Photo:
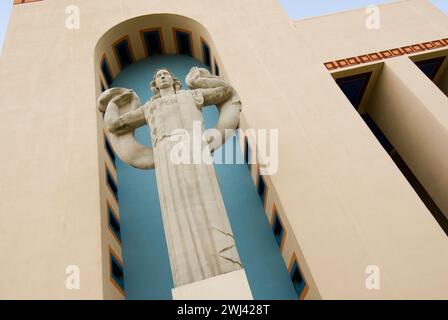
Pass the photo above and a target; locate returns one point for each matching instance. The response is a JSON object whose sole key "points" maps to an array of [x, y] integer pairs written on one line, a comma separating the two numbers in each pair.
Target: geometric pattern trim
{"points": [[24, 1], [386, 54]]}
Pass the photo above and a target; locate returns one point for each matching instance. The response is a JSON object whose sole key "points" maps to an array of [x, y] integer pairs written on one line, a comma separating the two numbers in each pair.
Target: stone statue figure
{"points": [[198, 233]]}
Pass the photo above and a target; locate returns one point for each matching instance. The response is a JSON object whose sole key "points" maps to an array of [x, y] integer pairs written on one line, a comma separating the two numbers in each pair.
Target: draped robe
{"points": [[198, 233]]}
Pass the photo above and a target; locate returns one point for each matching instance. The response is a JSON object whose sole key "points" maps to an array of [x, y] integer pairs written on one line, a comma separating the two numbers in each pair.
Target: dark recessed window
{"points": [[153, 43], [114, 224], [184, 43], [109, 149], [297, 279], [246, 152], [261, 189], [378, 133], [111, 183], [124, 54], [278, 229], [117, 273], [354, 87], [216, 69], [430, 67], [206, 53], [102, 87], [106, 72]]}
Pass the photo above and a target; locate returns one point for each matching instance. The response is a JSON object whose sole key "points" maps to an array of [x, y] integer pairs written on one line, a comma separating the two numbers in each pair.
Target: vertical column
{"points": [[413, 113]]}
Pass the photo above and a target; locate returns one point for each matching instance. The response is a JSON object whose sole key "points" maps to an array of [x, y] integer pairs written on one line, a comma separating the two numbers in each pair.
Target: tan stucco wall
{"points": [[50, 199], [345, 34], [343, 198]]}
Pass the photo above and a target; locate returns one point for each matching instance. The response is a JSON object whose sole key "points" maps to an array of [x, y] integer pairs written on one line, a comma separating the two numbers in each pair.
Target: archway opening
{"points": [[127, 56]]}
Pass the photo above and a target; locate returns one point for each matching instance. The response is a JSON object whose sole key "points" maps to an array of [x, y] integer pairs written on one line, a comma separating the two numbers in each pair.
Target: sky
{"points": [[297, 9], [5, 9]]}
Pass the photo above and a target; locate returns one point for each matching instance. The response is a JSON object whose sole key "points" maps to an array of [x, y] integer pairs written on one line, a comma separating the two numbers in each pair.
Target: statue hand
{"points": [[123, 98], [195, 77], [194, 74]]}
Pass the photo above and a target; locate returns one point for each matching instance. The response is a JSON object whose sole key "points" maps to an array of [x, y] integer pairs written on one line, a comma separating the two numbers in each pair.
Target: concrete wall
{"points": [[50, 208], [343, 198], [345, 35]]}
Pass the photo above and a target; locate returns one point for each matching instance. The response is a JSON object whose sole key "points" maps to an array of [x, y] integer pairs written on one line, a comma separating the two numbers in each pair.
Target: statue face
{"points": [[164, 79]]}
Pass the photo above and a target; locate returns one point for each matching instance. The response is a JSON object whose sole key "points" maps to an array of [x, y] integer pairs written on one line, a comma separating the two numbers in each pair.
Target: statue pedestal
{"points": [[230, 286]]}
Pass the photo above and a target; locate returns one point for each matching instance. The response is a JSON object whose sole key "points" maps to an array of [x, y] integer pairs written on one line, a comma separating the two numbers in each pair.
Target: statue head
{"points": [[164, 79]]}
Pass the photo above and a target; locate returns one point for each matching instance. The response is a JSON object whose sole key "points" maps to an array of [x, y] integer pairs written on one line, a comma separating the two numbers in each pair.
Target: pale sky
{"points": [[5, 9], [297, 9]]}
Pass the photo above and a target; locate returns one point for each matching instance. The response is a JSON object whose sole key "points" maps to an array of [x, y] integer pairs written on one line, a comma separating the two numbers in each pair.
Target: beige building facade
{"points": [[350, 208]]}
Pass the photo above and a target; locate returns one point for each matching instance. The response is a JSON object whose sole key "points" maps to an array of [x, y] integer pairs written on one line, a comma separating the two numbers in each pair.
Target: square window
{"points": [[278, 229], [183, 39], [430, 67], [297, 279], [109, 149], [262, 189], [111, 183], [216, 69], [153, 42], [123, 53], [106, 71], [114, 224], [354, 87], [206, 53], [116, 271]]}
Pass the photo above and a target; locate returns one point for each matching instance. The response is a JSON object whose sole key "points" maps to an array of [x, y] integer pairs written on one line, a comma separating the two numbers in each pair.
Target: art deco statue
{"points": [[198, 233]]}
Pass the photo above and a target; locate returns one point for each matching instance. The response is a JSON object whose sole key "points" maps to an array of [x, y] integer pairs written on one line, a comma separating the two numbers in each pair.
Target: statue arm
{"points": [[123, 113], [216, 95], [207, 81], [214, 90], [126, 123]]}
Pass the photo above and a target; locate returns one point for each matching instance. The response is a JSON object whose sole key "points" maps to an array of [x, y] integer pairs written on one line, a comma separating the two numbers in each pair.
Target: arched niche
{"points": [[263, 262], [166, 25], [132, 30]]}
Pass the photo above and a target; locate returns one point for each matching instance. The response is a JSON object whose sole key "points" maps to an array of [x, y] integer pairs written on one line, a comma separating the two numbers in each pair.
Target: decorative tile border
{"points": [[386, 54], [24, 1]]}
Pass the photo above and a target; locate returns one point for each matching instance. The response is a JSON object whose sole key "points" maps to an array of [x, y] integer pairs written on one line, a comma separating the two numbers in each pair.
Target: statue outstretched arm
{"points": [[127, 122], [123, 114], [217, 95], [216, 91]]}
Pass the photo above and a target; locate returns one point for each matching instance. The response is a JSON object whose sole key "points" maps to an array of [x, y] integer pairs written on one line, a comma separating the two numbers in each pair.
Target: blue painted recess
{"points": [[147, 268]]}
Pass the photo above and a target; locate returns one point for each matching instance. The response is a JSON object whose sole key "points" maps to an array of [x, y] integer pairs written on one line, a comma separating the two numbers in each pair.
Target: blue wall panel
{"points": [[147, 269]]}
